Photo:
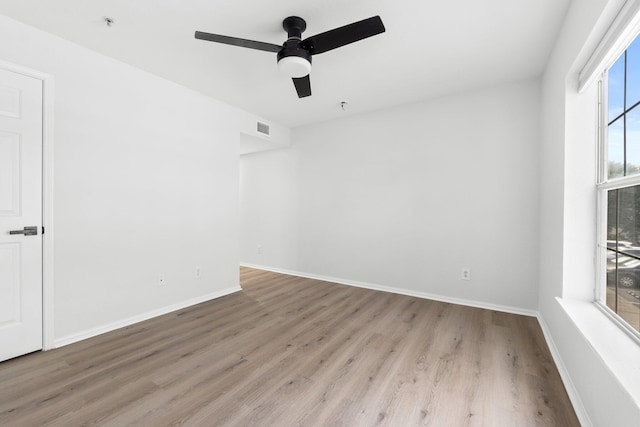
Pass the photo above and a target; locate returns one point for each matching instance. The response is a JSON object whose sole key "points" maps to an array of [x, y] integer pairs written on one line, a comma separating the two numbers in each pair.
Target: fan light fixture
{"points": [[294, 66]]}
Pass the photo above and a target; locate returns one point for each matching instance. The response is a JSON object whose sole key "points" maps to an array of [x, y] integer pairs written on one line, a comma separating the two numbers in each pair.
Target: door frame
{"points": [[48, 331]]}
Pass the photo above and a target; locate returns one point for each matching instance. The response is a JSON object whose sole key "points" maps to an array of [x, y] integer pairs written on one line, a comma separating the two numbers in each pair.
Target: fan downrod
{"points": [[294, 26]]}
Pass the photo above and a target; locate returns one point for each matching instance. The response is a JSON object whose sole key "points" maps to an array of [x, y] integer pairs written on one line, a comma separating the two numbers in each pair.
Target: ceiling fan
{"points": [[294, 56]]}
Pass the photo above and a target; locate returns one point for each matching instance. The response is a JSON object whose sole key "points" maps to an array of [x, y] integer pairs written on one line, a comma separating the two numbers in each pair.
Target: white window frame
{"points": [[603, 186]]}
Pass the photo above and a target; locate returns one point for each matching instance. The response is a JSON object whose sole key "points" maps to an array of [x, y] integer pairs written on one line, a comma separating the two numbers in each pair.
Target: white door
{"points": [[20, 207]]}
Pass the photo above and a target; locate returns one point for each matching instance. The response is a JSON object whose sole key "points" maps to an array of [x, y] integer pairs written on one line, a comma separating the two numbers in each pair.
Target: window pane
{"points": [[629, 215], [615, 148], [633, 141], [612, 243], [612, 290], [633, 74], [615, 89], [612, 219], [623, 254]]}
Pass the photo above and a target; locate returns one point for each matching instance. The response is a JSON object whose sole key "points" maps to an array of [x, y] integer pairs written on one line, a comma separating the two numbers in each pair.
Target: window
{"points": [[623, 112], [619, 189]]}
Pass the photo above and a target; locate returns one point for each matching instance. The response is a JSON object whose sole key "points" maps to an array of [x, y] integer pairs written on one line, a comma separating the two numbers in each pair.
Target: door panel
{"points": [[9, 101], [9, 174], [20, 206], [9, 281]]}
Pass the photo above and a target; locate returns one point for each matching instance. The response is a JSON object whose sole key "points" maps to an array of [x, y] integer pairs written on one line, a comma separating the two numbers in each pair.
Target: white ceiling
{"points": [[430, 47]]}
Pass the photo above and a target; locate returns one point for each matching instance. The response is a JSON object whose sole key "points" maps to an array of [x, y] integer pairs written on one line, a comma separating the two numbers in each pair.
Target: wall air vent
{"points": [[263, 128]]}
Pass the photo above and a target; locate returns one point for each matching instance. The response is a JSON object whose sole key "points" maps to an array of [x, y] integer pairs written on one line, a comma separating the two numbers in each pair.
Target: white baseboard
{"points": [[578, 406], [79, 336], [407, 292]]}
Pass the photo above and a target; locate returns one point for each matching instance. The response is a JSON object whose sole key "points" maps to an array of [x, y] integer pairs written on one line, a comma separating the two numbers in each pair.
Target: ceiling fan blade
{"points": [[251, 44], [303, 86], [342, 36]]}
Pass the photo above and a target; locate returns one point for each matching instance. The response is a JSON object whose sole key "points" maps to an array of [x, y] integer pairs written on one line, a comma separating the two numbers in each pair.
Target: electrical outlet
{"points": [[465, 274], [259, 249], [161, 280], [197, 273]]}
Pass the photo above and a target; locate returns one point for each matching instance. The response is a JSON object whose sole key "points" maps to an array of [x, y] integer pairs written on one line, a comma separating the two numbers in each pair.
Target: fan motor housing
{"points": [[293, 60], [292, 48]]}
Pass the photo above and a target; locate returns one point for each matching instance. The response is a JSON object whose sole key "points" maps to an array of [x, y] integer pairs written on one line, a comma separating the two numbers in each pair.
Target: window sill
{"points": [[619, 351]]}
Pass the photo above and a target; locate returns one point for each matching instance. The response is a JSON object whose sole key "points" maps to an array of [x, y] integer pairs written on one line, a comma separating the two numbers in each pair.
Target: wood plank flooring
{"points": [[288, 351]]}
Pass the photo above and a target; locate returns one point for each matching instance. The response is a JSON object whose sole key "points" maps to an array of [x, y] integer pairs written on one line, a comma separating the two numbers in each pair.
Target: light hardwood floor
{"points": [[288, 351]]}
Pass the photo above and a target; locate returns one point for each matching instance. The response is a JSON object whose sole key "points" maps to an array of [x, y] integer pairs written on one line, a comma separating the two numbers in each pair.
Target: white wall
{"points": [[145, 182], [406, 197], [268, 208], [598, 361]]}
